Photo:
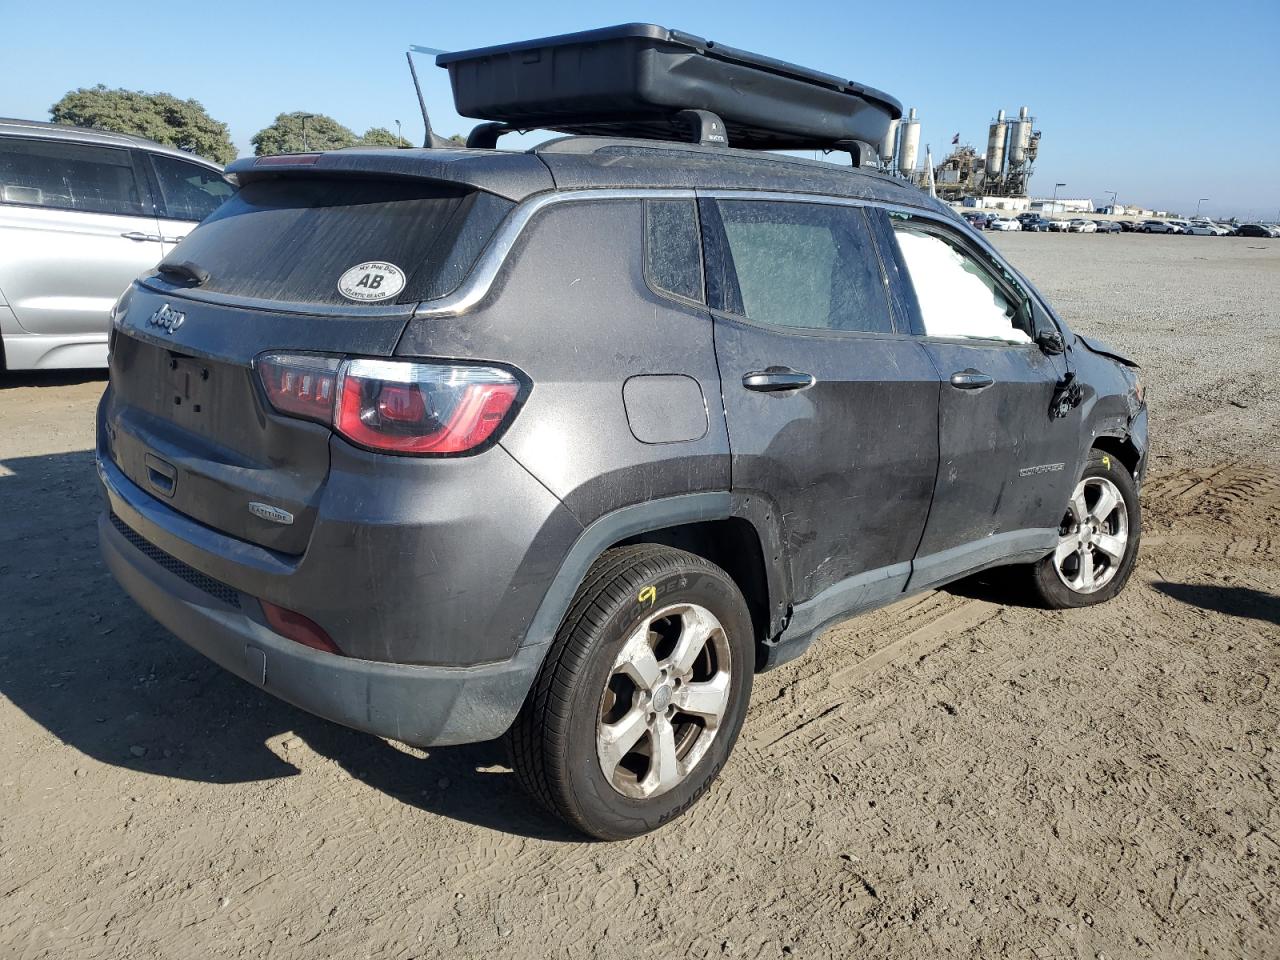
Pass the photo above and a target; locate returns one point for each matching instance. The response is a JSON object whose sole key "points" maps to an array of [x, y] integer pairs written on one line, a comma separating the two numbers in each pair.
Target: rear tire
{"points": [[641, 696], [1098, 539]]}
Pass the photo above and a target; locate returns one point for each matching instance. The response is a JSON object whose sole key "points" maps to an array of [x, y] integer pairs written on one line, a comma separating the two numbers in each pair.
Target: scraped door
{"points": [[832, 412]]}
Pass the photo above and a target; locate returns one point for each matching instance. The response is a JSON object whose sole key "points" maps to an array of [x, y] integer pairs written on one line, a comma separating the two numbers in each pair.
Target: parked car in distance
{"points": [[388, 497], [1037, 225], [83, 212], [976, 220], [1156, 226], [1003, 223], [1128, 226], [1107, 226], [1254, 230], [1080, 225], [1201, 228], [1060, 226]]}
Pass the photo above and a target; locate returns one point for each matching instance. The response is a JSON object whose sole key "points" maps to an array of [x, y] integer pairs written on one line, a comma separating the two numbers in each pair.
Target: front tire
{"points": [[1097, 540], [641, 696]]}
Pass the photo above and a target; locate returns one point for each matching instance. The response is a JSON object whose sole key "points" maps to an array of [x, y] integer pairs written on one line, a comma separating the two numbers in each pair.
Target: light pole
{"points": [[399, 139], [1113, 200], [1054, 204], [1198, 202], [304, 117]]}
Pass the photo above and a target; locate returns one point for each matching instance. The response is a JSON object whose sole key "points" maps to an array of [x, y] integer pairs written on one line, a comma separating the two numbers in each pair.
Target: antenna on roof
{"points": [[430, 139]]}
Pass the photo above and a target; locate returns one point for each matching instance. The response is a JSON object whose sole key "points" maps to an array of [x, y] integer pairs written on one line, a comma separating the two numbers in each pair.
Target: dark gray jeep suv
{"points": [[566, 444]]}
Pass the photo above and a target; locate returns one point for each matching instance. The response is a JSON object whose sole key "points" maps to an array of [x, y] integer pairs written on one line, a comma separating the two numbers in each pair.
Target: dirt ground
{"points": [[956, 775]]}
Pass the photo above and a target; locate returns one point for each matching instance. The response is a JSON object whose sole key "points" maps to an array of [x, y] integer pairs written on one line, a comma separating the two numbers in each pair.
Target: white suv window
{"points": [[958, 297], [190, 191], [68, 176]]}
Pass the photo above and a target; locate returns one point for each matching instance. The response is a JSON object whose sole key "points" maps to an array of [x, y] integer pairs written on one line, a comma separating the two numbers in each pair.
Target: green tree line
{"points": [[186, 124]]}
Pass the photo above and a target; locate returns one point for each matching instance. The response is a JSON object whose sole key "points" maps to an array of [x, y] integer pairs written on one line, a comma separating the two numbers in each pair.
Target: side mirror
{"points": [[1050, 341]]}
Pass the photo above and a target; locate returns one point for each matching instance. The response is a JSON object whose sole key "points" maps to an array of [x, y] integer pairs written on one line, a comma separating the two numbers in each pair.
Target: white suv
{"points": [[83, 212]]}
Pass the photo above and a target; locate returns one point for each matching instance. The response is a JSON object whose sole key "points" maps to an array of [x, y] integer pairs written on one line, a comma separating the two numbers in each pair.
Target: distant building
{"points": [[998, 203], [1061, 205]]}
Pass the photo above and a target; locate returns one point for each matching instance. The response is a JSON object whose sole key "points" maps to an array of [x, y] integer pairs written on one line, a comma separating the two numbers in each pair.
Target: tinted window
{"points": [[189, 191], [68, 176], [673, 254], [804, 265], [958, 296], [291, 239]]}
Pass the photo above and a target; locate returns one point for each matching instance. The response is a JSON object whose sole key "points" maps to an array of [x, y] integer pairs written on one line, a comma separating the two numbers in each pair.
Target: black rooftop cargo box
{"points": [[633, 80]]}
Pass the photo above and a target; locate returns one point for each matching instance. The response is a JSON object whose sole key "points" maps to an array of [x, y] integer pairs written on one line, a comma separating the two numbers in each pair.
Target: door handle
{"points": [[173, 239], [140, 237], [777, 380], [971, 380]]}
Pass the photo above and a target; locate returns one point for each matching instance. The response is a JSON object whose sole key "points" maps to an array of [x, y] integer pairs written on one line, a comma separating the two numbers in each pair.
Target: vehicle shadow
{"points": [[80, 659], [1006, 586], [49, 378], [1233, 601]]}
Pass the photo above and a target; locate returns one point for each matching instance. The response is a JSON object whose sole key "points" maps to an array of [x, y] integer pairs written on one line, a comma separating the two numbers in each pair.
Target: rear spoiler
{"points": [[513, 176]]}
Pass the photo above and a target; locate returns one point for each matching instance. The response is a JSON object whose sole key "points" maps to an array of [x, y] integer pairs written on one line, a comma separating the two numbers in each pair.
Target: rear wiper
{"points": [[186, 270]]}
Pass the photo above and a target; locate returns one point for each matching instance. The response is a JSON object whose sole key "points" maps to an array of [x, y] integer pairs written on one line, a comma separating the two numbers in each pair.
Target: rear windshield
{"points": [[292, 239]]}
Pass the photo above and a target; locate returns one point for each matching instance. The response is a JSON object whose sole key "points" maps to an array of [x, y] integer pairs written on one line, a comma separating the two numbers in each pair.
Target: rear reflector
{"points": [[298, 628], [394, 406]]}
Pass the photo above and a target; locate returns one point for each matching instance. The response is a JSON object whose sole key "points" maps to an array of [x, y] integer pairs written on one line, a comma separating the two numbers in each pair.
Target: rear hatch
{"points": [[186, 418]]}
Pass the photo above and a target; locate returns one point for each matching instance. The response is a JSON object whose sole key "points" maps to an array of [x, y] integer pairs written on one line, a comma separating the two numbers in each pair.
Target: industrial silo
{"points": [[909, 135], [995, 146], [1019, 138], [887, 144]]}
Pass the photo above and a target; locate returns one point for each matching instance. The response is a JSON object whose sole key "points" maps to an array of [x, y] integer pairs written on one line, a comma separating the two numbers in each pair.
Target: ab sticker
{"points": [[372, 281]]}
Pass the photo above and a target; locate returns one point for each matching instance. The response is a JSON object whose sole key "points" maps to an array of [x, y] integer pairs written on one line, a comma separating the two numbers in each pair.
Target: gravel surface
{"points": [[957, 775]]}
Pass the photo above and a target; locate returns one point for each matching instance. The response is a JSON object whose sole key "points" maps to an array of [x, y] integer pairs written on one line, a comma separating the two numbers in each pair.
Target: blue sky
{"points": [[1163, 102]]}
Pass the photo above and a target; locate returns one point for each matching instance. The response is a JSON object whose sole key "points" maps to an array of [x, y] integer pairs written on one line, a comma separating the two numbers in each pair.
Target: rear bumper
{"points": [[419, 705]]}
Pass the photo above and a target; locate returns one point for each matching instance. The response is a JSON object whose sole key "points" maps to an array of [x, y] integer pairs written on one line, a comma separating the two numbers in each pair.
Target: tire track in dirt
{"points": [[815, 704]]}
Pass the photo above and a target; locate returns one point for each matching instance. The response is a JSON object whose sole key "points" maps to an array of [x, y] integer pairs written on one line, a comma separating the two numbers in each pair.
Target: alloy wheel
{"points": [[1093, 536], [664, 700]]}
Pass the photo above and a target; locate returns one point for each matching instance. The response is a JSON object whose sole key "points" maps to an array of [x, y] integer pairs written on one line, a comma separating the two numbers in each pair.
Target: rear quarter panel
{"points": [[572, 310]]}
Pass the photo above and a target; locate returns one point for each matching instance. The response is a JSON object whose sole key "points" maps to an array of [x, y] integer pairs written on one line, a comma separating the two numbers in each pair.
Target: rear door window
{"points": [[68, 176], [189, 191], [291, 239], [802, 265]]}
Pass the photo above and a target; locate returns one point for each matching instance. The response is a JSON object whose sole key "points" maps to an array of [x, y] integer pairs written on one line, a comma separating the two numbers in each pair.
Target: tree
{"points": [[382, 137], [158, 116], [289, 135]]}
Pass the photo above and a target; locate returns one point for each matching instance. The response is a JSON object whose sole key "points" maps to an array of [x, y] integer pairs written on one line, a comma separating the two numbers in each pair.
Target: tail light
{"points": [[393, 406], [302, 386]]}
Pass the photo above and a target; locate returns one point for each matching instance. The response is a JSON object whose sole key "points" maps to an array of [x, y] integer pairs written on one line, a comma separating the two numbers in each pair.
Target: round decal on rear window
{"points": [[371, 281]]}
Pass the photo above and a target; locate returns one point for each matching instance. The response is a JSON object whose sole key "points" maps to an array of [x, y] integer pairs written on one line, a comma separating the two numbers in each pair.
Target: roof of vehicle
{"points": [[583, 162], [60, 131]]}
